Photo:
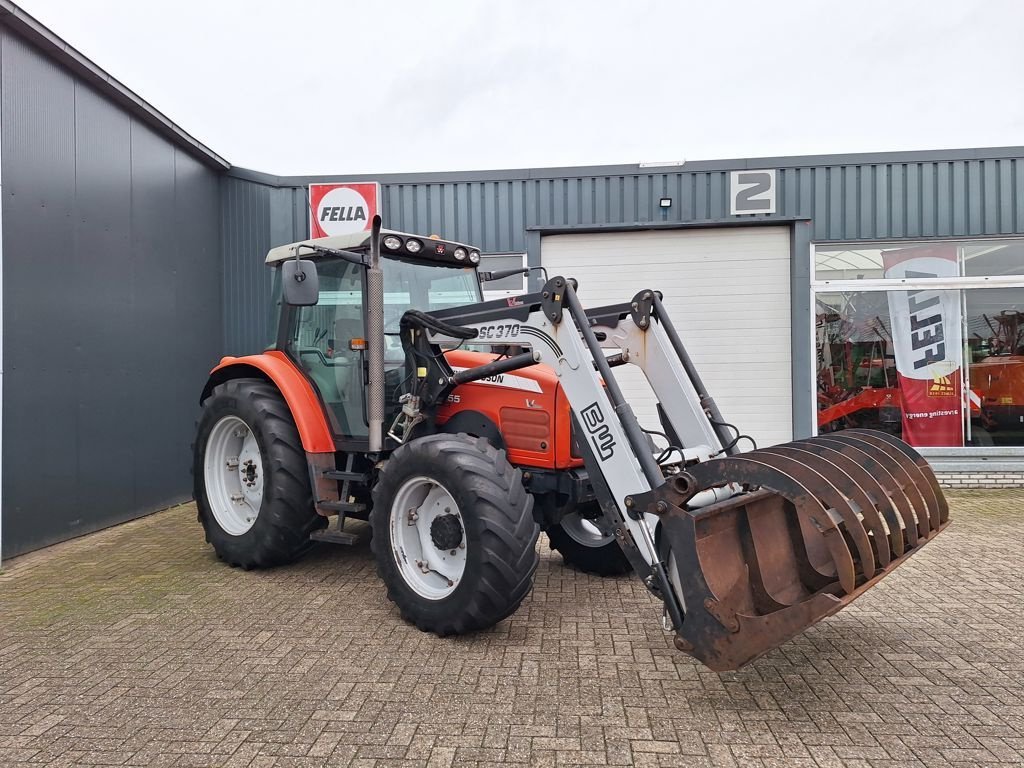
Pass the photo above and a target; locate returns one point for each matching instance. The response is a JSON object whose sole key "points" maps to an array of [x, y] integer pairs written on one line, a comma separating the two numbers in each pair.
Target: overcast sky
{"points": [[362, 87]]}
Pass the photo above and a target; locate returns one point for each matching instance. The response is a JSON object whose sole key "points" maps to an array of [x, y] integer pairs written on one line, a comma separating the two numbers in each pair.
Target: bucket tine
{"points": [[874, 490], [823, 483], [823, 464], [906, 531], [889, 474], [747, 471], [906, 471], [937, 506]]}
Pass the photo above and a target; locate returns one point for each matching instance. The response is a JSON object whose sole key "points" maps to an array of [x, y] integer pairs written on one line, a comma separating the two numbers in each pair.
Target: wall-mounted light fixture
{"points": [[665, 202]]}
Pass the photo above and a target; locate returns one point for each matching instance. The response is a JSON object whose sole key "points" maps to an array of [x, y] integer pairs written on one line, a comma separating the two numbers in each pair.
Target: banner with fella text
{"points": [[927, 345]]}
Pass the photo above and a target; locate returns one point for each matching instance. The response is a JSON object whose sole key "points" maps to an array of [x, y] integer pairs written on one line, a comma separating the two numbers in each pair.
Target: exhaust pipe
{"points": [[375, 342]]}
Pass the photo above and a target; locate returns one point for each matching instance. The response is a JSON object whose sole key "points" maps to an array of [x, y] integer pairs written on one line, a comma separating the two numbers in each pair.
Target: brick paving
{"points": [[136, 647]]}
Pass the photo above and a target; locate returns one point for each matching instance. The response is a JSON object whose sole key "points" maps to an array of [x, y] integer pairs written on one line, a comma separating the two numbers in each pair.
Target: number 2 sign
{"points": [[752, 191]]}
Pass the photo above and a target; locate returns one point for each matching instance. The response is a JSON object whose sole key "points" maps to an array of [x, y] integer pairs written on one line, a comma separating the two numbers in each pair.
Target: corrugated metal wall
{"points": [[919, 194], [112, 306], [255, 217]]}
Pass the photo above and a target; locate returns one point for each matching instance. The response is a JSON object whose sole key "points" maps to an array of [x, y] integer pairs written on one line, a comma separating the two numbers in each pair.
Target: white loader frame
{"points": [[619, 457]]}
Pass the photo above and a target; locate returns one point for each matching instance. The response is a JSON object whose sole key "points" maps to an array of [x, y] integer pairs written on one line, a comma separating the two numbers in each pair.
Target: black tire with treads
{"points": [[604, 560], [501, 534], [287, 515]]}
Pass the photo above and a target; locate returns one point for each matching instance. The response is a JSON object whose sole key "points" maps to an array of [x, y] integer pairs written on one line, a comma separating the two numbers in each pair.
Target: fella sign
{"points": [[927, 343], [342, 208]]}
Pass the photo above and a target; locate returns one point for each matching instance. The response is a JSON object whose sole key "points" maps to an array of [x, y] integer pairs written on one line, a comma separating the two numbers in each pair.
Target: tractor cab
{"points": [[327, 339]]}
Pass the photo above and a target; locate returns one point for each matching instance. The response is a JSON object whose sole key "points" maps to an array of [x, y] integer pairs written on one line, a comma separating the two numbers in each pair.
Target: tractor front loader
{"points": [[460, 428]]}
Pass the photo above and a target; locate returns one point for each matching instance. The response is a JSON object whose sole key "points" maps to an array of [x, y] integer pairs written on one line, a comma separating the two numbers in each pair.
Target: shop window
{"points": [[992, 258], [946, 259], [922, 339], [938, 368], [995, 368]]}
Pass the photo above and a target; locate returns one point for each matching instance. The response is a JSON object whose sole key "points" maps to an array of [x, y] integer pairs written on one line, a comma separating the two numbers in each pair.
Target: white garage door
{"points": [[727, 290]]}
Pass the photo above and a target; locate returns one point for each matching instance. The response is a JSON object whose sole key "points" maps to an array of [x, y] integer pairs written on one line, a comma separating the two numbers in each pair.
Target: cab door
{"points": [[327, 342]]}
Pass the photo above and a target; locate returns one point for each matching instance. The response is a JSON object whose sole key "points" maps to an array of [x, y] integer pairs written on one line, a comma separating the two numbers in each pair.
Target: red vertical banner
{"points": [[926, 337]]}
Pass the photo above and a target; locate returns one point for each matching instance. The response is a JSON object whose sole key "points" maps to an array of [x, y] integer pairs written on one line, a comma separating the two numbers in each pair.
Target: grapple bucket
{"points": [[819, 522]]}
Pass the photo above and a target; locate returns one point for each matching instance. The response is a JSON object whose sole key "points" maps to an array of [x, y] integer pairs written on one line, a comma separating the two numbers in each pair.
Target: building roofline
{"points": [[693, 166], [32, 30]]}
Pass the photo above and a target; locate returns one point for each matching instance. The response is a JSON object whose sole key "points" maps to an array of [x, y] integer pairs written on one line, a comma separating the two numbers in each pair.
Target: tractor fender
{"points": [[298, 393], [476, 424]]}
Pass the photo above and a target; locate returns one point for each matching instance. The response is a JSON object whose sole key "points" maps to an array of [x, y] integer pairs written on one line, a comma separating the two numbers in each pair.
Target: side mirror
{"points": [[300, 285]]}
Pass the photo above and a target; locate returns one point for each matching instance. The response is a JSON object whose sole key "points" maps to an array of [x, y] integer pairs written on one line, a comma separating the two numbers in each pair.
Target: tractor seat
{"points": [[348, 325]]}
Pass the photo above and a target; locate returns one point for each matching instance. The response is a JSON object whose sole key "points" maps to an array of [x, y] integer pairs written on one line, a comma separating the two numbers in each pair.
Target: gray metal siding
{"points": [[947, 198], [922, 194], [112, 306], [245, 241]]}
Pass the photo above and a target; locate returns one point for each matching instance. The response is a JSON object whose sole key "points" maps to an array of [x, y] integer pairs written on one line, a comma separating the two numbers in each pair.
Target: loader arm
{"points": [[745, 550]]}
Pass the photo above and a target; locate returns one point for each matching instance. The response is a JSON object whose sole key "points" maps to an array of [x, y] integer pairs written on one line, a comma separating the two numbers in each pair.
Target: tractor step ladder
{"points": [[336, 534], [342, 507], [345, 475], [332, 535]]}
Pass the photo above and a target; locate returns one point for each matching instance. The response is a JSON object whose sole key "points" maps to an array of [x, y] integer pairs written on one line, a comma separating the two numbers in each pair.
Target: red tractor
{"points": [[461, 428]]}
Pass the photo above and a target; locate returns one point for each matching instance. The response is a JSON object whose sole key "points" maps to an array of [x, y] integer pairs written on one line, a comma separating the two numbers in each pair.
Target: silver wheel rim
{"points": [[233, 471], [428, 570], [583, 531]]}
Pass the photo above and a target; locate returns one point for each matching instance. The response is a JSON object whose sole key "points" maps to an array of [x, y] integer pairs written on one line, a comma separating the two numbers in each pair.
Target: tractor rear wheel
{"points": [[251, 477], [583, 545], [453, 533]]}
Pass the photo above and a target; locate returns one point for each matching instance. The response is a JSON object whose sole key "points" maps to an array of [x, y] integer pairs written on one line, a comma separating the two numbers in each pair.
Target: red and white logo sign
{"points": [[342, 208], [926, 341]]}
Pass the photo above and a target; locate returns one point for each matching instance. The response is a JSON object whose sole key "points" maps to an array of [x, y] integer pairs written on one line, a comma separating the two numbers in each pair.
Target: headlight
{"points": [[460, 254], [474, 256], [413, 246], [392, 243]]}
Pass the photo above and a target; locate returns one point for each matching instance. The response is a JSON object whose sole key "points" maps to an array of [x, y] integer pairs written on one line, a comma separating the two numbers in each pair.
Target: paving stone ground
{"points": [[135, 646]]}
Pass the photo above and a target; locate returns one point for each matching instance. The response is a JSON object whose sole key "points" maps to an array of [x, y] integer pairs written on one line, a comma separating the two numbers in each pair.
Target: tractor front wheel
{"points": [[453, 533], [584, 546], [251, 477]]}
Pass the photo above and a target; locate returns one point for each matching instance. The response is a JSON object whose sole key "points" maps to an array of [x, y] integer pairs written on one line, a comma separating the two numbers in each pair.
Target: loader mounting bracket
{"points": [[641, 308], [551, 298], [676, 491]]}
